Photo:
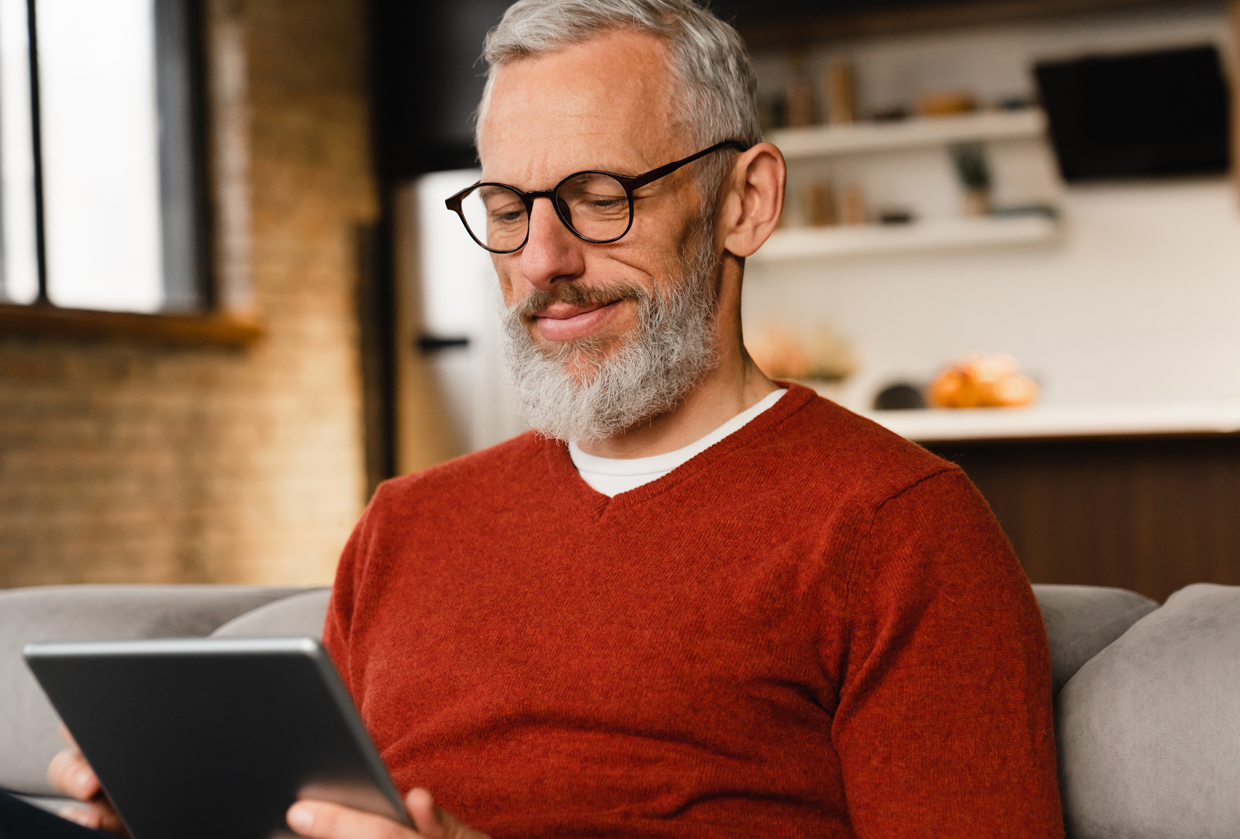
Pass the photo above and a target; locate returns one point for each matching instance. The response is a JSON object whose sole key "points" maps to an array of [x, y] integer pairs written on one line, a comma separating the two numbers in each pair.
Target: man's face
{"points": [[603, 104]]}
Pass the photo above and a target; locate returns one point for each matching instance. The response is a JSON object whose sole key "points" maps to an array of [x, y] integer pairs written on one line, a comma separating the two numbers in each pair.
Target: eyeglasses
{"points": [[594, 206]]}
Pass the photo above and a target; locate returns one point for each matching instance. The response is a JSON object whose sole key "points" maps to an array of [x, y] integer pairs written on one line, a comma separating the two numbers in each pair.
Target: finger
{"points": [[425, 815], [96, 816], [433, 822], [321, 820], [109, 821], [71, 774], [77, 815], [87, 815]]}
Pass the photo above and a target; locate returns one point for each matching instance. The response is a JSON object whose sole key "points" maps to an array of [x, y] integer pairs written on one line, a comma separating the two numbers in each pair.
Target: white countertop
{"points": [[1051, 421]]}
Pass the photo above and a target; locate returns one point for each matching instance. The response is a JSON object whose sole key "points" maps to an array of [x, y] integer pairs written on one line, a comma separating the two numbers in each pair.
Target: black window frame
{"points": [[184, 212]]}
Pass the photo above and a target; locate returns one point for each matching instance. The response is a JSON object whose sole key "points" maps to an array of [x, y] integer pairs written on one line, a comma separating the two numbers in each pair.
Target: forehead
{"points": [[600, 104]]}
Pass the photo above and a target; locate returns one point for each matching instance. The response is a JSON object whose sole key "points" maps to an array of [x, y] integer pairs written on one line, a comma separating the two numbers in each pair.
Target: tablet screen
{"points": [[206, 738]]}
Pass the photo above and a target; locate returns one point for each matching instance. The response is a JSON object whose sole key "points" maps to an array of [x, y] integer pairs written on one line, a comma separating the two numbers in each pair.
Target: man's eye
{"points": [[507, 216], [602, 204]]}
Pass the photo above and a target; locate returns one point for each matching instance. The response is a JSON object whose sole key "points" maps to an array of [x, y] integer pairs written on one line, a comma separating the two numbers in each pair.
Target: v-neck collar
{"points": [[571, 488]]}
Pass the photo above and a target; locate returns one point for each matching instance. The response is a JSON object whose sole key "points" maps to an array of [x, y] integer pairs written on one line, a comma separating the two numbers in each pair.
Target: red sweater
{"points": [[814, 628]]}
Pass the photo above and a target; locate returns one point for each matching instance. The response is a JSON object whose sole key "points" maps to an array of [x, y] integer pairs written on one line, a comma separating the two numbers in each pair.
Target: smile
{"points": [[565, 322]]}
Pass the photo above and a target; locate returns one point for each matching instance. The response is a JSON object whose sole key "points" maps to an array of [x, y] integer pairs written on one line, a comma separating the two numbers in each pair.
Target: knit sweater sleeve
{"points": [[944, 721]]}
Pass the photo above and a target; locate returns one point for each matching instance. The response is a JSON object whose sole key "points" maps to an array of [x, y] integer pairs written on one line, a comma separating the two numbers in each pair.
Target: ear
{"points": [[753, 200]]}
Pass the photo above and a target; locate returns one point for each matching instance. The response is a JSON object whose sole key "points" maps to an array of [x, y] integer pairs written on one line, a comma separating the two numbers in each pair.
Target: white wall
{"points": [[1140, 300]]}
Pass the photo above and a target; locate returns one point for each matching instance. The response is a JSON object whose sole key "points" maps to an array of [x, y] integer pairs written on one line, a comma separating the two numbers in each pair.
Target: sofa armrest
{"points": [[1148, 731], [29, 728], [301, 615], [1081, 621]]}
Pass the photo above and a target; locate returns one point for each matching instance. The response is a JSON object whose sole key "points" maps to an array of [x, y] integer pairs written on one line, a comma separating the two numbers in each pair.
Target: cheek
{"points": [[662, 242], [511, 286], [635, 260]]}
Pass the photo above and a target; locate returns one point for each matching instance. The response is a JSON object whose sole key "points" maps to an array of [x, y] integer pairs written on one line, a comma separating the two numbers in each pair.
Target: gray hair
{"points": [[715, 99]]}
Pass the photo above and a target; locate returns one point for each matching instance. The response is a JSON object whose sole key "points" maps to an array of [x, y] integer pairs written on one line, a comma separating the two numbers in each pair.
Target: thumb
{"points": [[432, 822]]}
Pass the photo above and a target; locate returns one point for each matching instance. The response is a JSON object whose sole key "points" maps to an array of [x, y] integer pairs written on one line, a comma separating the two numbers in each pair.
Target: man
{"points": [[699, 603]]}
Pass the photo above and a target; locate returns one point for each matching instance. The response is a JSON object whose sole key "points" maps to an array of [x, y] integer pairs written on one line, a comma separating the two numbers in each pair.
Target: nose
{"points": [[552, 254]]}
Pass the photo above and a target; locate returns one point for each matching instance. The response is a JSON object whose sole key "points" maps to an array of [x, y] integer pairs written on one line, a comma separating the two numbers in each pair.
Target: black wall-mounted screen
{"points": [[1151, 114]]}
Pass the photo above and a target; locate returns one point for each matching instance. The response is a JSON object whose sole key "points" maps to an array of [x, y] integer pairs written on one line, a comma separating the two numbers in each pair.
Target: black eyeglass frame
{"points": [[630, 183]]}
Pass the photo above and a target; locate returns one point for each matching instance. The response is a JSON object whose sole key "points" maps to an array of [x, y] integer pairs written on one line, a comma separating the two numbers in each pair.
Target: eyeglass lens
{"points": [[594, 205]]}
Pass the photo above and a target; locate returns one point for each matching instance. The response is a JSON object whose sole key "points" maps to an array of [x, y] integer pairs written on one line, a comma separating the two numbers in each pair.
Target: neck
{"points": [[734, 385]]}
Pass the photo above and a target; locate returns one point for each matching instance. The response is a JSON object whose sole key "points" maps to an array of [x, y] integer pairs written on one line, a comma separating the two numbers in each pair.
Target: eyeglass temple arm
{"points": [[672, 167], [454, 203]]}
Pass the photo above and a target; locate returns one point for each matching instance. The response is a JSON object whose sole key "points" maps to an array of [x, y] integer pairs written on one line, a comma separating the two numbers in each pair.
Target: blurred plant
{"points": [[973, 170], [972, 167]]}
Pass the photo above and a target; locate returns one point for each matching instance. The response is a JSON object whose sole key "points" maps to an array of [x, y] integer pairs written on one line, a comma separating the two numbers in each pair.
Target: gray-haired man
{"points": [[700, 603]]}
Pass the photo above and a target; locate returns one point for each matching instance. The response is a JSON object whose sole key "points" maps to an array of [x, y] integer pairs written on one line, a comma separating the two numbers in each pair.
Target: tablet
{"points": [[209, 738]]}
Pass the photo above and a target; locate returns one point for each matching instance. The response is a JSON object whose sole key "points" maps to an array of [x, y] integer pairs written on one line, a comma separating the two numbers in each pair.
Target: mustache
{"points": [[575, 294]]}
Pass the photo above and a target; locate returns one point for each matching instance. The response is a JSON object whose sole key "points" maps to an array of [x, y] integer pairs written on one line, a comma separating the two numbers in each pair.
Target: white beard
{"points": [[671, 350]]}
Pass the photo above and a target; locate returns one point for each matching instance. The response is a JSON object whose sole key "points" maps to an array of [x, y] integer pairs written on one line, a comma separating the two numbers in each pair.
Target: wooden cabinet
{"points": [[1151, 514]]}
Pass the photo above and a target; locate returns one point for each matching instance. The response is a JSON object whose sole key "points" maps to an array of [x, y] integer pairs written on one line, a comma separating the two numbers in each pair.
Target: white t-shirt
{"points": [[613, 475]]}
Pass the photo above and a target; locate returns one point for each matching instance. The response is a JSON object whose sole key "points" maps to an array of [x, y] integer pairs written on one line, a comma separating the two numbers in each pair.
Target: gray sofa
{"points": [[1147, 701]]}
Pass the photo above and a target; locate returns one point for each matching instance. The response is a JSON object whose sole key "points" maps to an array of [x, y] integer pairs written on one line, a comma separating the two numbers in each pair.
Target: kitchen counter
{"points": [[1064, 421]]}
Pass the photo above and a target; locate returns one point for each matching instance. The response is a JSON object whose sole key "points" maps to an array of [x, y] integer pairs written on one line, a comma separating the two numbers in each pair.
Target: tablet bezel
{"points": [[48, 663]]}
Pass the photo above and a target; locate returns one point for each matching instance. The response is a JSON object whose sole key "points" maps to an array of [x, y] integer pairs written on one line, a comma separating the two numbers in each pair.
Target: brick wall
{"points": [[122, 461]]}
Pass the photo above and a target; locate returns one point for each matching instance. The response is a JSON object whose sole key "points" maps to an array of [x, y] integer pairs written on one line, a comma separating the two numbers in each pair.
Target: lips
{"points": [[565, 322]]}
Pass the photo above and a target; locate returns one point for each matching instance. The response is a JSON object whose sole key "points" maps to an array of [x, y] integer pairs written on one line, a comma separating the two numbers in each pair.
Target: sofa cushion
{"points": [[1148, 731], [29, 728], [295, 617], [1082, 620]]}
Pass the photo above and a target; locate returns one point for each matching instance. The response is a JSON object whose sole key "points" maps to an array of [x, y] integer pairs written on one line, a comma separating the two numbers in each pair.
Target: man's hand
{"points": [[320, 820], [71, 774]]}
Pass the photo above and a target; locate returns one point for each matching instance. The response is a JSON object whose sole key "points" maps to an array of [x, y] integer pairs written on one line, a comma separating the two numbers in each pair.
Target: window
{"points": [[100, 179]]}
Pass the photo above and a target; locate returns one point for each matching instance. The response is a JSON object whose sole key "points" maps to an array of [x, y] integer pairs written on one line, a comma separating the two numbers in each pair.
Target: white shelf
{"points": [[865, 137], [1063, 421], [945, 234]]}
